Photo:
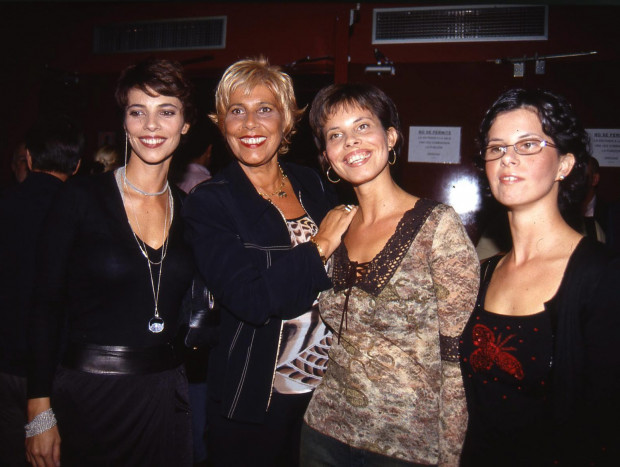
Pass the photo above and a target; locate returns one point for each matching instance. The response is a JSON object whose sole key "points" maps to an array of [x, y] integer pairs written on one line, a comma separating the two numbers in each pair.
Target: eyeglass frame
{"points": [[504, 148]]}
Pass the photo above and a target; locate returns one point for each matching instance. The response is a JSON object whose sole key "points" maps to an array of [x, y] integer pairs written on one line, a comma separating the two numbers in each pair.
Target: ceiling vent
{"points": [[180, 34], [459, 24]]}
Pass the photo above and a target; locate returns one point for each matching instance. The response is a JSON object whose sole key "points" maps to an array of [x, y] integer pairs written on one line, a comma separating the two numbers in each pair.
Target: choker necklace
{"points": [[156, 323], [280, 191], [142, 192]]}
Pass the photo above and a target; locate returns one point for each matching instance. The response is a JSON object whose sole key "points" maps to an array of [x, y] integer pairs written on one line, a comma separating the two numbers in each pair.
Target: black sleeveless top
{"points": [[506, 363]]}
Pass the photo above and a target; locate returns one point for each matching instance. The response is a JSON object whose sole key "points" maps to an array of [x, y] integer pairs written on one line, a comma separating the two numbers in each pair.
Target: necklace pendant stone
{"points": [[282, 194], [156, 325]]}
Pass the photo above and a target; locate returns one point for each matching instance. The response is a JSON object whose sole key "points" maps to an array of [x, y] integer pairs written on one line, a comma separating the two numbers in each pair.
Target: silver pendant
{"points": [[156, 324]]}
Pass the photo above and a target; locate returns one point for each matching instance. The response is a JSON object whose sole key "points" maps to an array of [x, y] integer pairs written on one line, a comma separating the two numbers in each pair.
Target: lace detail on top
{"points": [[381, 268], [373, 275]]}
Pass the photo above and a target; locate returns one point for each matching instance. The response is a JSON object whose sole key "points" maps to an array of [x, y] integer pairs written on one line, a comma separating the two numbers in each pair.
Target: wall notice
{"points": [[605, 146], [435, 144]]}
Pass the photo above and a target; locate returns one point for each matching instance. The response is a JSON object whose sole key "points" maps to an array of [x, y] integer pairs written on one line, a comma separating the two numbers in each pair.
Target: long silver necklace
{"points": [[156, 323]]}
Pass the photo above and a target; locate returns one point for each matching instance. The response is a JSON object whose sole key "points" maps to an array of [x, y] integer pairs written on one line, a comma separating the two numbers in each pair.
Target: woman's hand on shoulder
{"points": [[333, 227]]}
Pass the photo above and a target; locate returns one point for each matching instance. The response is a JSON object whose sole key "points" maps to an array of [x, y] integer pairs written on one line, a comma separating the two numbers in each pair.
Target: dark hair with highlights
{"points": [[559, 121], [336, 97], [156, 76]]}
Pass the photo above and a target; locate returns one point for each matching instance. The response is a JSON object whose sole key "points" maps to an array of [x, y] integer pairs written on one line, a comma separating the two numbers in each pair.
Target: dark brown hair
{"points": [[334, 97], [559, 121], [157, 77]]}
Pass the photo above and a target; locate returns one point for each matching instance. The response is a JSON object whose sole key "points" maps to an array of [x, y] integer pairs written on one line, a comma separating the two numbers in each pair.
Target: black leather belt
{"points": [[120, 360]]}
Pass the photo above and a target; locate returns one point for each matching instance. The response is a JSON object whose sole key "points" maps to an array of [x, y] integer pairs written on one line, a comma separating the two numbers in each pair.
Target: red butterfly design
{"points": [[492, 350]]}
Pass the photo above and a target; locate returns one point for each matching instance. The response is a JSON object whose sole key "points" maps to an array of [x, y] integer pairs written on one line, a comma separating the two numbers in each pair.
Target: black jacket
{"points": [[22, 211], [243, 251]]}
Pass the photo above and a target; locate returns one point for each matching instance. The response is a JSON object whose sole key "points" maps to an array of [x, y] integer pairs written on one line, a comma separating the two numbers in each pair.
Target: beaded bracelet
{"points": [[40, 423]]}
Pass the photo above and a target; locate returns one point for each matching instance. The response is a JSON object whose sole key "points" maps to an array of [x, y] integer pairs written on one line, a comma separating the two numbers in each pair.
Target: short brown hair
{"points": [[249, 73], [164, 77], [335, 97]]}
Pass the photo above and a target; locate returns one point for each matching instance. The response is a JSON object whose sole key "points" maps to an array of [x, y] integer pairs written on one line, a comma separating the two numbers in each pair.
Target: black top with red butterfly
{"points": [[506, 364]]}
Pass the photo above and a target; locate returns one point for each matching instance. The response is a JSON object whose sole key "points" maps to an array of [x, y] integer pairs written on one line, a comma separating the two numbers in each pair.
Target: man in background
{"points": [[594, 211], [53, 151], [19, 164]]}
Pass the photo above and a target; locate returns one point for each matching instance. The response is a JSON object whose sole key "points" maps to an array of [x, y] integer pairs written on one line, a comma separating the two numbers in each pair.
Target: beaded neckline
{"points": [[378, 271]]}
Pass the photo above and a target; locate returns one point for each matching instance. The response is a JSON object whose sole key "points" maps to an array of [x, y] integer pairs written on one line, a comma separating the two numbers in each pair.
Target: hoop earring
{"points": [[327, 175], [392, 152]]}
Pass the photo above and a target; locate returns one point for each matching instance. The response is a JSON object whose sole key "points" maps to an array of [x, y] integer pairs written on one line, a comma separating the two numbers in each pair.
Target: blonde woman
{"points": [[255, 232]]}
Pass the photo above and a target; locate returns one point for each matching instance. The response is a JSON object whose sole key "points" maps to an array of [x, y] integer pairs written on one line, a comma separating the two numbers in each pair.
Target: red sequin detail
{"points": [[492, 350]]}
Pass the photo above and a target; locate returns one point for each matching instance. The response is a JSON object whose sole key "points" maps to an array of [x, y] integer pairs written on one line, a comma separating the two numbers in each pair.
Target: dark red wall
{"points": [[48, 65]]}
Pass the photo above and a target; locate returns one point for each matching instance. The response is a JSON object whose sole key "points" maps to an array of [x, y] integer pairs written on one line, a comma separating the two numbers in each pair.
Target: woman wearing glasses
{"points": [[539, 354]]}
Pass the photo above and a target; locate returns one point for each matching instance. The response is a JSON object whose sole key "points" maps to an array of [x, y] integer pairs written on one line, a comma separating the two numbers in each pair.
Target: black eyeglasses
{"points": [[527, 147]]}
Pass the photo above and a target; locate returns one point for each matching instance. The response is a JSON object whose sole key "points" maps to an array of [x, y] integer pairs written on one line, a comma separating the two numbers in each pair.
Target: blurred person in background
{"points": [[52, 151], [106, 158]]}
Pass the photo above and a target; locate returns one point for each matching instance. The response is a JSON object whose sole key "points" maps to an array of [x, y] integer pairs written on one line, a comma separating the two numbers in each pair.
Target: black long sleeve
{"points": [[93, 283]]}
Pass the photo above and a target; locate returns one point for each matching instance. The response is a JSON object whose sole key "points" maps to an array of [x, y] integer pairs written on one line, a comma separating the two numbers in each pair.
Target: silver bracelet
{"points": [[40, 423]]}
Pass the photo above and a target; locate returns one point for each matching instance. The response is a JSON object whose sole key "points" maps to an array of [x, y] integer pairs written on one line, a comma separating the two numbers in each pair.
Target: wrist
{"points": [[37, 405], [319, 249]]}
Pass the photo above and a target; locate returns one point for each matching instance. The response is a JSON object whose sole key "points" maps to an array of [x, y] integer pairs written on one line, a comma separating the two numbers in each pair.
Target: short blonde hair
{"points": [[108, 157], [246, 75]]}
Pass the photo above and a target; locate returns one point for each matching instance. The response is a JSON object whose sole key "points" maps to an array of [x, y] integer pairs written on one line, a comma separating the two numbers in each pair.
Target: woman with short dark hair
{"points": [[405, 279], [113, 269], [539, 358]]}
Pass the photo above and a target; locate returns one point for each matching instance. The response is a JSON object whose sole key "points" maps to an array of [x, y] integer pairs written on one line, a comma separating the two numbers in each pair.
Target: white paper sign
{"points": [[435, 144], [605, 146]]}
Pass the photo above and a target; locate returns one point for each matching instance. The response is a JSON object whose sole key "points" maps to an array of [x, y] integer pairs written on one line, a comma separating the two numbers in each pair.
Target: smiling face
{"points": [[253, 126], [517, 180], [356, 144], [154, 125]]}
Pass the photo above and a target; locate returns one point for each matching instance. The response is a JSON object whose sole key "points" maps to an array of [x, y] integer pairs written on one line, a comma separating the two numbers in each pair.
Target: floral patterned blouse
{"points": [[393, 385]]}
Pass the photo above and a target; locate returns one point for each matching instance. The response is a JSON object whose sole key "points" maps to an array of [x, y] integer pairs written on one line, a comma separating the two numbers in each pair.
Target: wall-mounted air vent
{"points": [[180, 34], [459, 24]]}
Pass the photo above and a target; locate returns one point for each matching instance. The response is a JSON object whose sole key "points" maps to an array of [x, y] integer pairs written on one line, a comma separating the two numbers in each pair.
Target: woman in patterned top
{"points": [[405, 280], [539, 354], [252, 228]]}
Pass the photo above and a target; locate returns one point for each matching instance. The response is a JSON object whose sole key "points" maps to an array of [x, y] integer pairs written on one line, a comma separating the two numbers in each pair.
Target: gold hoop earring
{"points": [[327, 175], [392, 152]]}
